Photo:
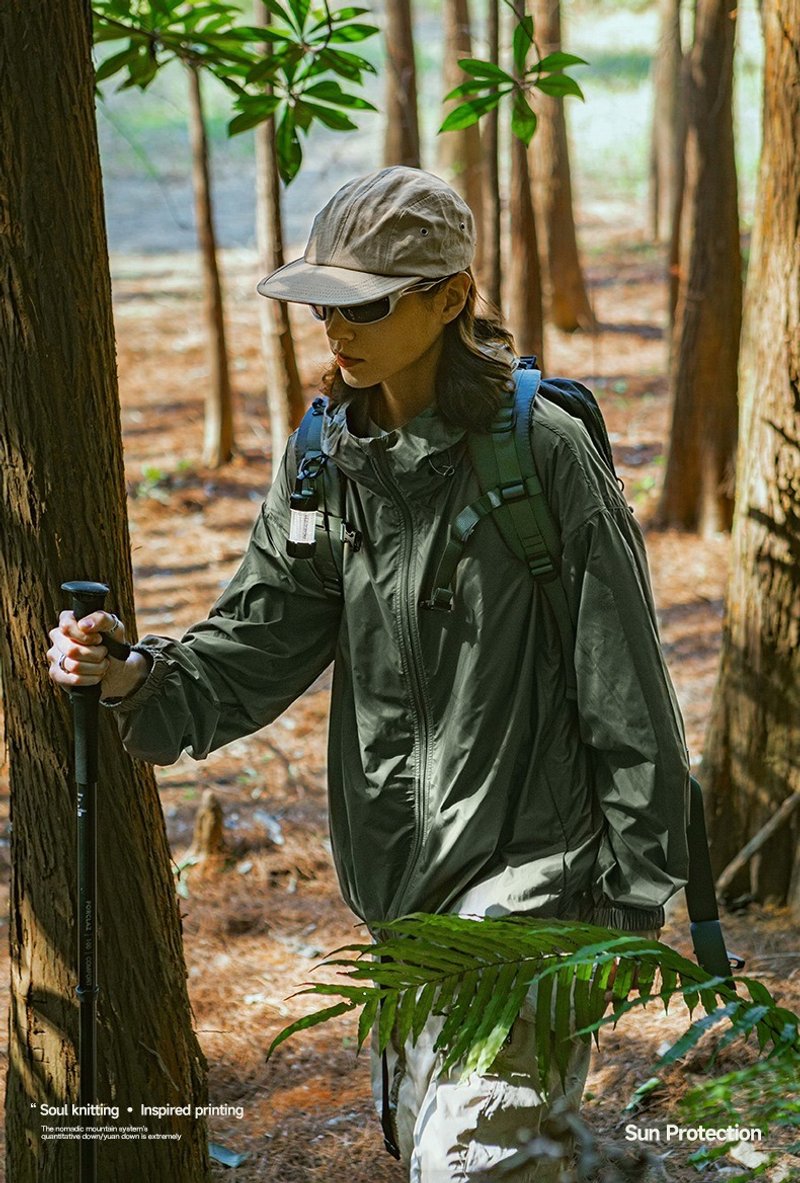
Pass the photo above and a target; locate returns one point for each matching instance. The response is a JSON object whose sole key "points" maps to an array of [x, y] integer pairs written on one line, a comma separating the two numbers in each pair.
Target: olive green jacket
{"points": [[459, 772]]}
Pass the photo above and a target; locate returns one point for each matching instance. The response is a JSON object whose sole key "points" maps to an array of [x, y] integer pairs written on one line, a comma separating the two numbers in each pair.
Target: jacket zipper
{"points": [[411, 649]]}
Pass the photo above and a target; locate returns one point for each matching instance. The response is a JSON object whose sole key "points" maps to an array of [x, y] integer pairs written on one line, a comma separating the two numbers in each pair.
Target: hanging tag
{"points": [[302, 526]]}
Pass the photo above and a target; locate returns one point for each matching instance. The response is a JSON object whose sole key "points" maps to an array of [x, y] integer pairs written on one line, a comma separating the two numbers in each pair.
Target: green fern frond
{"points": [[475, 974]]}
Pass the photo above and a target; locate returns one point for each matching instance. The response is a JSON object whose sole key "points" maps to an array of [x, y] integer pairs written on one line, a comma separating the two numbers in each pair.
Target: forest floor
{"points": [[254, 930]]}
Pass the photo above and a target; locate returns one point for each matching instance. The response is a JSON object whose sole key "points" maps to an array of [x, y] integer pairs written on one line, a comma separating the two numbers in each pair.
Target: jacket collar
{"points": [[417, 455]]}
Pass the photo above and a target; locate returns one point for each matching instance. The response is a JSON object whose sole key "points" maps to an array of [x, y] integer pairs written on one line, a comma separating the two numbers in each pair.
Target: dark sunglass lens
{"points": [[363, 314]]}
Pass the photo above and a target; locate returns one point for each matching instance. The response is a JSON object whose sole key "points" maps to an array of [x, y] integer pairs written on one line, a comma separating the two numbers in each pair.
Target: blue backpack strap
{"points": [[324, 487]]}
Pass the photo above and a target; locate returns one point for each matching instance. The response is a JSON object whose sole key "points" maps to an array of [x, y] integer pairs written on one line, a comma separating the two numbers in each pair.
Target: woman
{"points": [[461, 774]]}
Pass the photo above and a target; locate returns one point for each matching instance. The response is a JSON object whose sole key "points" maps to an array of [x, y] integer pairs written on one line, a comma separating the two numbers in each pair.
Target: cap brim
{"points": [[308, 283]]}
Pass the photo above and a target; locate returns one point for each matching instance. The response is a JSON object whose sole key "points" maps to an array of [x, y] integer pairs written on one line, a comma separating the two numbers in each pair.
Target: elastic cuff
{"points": [[157, 674], [626, 918]]}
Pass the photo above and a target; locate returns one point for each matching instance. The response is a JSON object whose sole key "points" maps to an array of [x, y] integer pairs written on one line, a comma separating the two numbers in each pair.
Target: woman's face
{"points": [[402, 348]]}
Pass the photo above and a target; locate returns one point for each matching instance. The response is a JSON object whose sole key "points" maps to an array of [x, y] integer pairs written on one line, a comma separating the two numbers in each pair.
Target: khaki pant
{"points": [[454, 1131]]}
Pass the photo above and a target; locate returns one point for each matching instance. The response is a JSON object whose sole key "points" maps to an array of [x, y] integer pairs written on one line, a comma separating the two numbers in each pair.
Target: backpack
{"points": [[503, 461]]}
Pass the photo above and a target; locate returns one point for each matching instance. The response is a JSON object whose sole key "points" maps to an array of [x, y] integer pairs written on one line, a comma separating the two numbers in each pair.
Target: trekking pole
{"points": [[86, 598]]}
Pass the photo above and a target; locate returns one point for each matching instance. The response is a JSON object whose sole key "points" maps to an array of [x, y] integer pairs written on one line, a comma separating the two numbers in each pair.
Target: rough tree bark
{"points": [[698, 483], [460, 161], [752, 756], [666, 137], [62, 515], [492, 207], [284, 389], [569, 306], [218, 436], [401, 140], [524, 272]]}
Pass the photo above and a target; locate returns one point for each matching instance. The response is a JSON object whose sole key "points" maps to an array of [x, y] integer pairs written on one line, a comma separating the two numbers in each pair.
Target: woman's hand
{"points": [[78, 656]]}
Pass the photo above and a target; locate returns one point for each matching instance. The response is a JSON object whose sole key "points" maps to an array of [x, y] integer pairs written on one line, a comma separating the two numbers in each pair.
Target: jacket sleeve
{"points": [[270, 634], [628, 711]]}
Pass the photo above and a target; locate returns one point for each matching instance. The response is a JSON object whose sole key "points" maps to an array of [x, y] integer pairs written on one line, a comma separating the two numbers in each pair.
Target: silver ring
{"points": [[61, 662], [115, 625]]}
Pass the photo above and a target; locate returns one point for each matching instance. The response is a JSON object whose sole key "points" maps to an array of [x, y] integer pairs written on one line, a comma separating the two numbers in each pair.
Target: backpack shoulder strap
{"points": [[511, 490], [327, 490]]}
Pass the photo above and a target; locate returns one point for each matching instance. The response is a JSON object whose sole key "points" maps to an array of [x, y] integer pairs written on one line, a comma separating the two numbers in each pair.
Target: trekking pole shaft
{"points": [[86, 598]]}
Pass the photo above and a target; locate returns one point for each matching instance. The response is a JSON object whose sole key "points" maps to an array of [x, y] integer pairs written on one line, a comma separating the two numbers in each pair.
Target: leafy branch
{"points": [[476, 974], [296, 82], [488, 84]]}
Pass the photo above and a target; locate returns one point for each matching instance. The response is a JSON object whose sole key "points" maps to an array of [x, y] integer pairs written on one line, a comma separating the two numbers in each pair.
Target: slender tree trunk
{"points": [[667, 139], [698, 484], [752, 757], [492, 207], [549, 157], [62, 515], [674, 255], [218, 442], [525, 278], [284, 389], [460, 160], [401, 141]]}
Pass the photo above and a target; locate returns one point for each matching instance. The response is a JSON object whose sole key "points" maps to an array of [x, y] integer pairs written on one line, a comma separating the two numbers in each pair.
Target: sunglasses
{"points": [[374, 310]]}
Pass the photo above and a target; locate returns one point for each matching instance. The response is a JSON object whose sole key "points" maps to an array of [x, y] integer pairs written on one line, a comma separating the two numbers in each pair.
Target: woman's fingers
{"points": [[77, 656]]}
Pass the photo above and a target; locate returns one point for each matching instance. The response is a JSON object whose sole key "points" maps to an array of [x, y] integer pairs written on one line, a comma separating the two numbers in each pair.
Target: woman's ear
{"points": [[455, 296]]}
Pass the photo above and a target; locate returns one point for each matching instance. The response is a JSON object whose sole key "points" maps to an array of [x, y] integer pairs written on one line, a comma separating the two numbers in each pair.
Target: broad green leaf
{"points": [[559, 85], [331, 92], [468, 113], [522, 41], [287, 145], [479, 69], [352, 33], [523, 119], [558, 61], [116, 62], [254, 115], [339, 15], [327, 116], [347, 65], [474, 86]]}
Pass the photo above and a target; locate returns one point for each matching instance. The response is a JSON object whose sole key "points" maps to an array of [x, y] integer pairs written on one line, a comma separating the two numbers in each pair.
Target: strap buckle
{"points": [[351, 536], [441, 600]]}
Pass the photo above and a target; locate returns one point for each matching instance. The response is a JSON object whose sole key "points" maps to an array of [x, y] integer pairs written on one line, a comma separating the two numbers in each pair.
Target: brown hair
{"points": [[474, 367]]}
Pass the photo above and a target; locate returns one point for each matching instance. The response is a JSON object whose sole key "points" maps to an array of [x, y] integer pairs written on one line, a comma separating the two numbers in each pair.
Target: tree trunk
{"points": [[492, 208], [674, 254], [62, 515], [525, 278], [666, 137], [549, 157], [460, 159], [218, 441], [698, 484], [284, 389], [401, 141], [752, 756]]}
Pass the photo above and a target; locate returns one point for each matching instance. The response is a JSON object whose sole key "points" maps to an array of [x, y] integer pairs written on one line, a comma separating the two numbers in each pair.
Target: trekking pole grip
{"points": [[86, 597]]}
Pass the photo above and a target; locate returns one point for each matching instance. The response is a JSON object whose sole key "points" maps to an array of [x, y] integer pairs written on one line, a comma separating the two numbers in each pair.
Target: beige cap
{"points": [[376, 235]]}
